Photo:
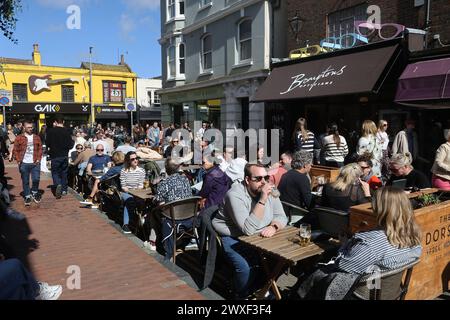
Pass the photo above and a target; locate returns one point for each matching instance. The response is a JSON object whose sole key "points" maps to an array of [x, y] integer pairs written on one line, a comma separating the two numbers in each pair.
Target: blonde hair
{"points": [[381, 123], [348, 175], [396, 216], [118, 157], [401, 160], [369, 127]]}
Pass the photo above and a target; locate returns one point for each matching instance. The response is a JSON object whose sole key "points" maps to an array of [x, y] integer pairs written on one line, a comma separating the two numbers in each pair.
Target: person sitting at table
{"points": [[248, 209], [348, 190], [126, 146], [117, 158], [131, 177], [215, 183], [394, 242], [365, 163], [278, 169], [99, 161], [295, 186], [401, 168], [175, 187], [82, 159], [441, 166], [235, 170]]}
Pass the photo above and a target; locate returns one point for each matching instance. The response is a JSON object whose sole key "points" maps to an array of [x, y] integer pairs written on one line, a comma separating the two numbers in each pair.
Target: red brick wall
{"points": [[392, 11]]}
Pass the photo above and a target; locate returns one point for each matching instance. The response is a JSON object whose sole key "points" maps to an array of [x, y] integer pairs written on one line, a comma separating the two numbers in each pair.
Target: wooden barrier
{"points": [[329, 173], [431, 277]]}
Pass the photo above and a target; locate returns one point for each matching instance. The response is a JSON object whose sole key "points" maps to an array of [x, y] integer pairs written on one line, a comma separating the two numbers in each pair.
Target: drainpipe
{"points": [[427, 23]]}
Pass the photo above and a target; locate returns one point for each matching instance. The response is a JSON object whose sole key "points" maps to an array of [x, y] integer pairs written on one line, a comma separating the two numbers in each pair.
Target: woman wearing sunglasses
{"points": [[131, 177]]}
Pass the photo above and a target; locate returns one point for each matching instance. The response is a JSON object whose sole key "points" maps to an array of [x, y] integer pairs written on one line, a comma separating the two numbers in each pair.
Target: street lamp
{"points": [[296, 24], [90, 86]]}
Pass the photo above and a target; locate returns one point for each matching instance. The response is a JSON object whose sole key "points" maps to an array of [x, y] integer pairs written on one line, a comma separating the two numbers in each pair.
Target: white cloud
{"points": [[142, 4], [127, 25]]}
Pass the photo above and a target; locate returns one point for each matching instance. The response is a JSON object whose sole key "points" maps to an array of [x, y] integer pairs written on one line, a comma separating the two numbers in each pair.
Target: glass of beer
{"points": [[305, 234], [146, 184]]}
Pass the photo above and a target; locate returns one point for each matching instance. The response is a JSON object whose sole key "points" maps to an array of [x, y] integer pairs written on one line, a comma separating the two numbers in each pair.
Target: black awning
{"points": [[149, 115], [112, 115], [352, 73]]}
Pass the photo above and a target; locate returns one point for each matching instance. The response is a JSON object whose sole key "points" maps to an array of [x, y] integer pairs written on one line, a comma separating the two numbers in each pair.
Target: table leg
{"points": [[272, 278]]}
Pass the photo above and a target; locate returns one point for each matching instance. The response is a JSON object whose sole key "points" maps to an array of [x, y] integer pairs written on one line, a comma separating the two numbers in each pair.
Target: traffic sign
{"points": [[130, 104], [6, 98]]}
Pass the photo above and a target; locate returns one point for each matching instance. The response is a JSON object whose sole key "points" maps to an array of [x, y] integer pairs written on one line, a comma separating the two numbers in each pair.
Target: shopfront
{"points": [[44, 113], [345, 87], [106, 115]]}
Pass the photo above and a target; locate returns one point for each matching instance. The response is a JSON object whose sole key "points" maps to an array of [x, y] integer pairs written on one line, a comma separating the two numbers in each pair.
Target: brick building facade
{"points": [[315, 13]]}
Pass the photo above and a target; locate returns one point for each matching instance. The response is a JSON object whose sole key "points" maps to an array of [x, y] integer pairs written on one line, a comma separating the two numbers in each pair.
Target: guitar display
{"points": [[38, 84]]}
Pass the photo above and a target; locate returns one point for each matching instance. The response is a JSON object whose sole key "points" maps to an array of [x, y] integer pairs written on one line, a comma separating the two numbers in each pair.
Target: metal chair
{"points": [[180, 210], [333, 222], [293, 210], [383, 285]]}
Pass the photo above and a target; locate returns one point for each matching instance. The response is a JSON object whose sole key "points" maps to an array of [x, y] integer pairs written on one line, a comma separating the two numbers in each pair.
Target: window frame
{"points": [[181, 59], [171, 7], [72, 98], [23, 85], [171, 61], [156, 98], [239, 41], [203, 53], [341, 22]]}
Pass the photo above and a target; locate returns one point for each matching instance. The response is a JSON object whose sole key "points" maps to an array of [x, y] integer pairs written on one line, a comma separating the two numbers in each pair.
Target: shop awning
{"points": [[352, 73], [425, 80], [149, 115]]}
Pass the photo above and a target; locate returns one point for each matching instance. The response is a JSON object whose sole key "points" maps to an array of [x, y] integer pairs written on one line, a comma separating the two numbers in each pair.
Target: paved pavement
{"points": [[63, 238]]}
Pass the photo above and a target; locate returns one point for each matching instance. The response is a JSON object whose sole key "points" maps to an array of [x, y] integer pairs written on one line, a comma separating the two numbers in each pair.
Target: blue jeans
{"points": [[16, 282], [244, 261], [60, 168], [25, 170], [129, 206]]}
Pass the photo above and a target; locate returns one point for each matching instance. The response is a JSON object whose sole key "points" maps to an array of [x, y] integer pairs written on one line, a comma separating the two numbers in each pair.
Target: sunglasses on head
{"points": [[259, 178]]}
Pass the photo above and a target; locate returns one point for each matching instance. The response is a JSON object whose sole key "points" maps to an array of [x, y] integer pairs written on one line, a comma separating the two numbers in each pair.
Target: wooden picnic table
{"points": [[285, 249], [144, 194]]}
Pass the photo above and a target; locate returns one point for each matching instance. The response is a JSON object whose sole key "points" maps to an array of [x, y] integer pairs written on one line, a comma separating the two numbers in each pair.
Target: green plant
{"points": [[428, 199]]}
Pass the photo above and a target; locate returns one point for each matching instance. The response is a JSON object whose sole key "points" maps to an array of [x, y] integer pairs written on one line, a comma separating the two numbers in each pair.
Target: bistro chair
{"points": [[293, 212], [332, 222], [180, 210], [383, 285]]}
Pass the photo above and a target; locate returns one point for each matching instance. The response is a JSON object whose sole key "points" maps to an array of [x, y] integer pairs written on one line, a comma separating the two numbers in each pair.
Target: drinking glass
{"points": [[305, 234]]}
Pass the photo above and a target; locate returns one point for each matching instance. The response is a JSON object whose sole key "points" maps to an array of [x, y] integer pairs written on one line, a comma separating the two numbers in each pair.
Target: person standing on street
{"points": [[28, 152], [59, 142]]}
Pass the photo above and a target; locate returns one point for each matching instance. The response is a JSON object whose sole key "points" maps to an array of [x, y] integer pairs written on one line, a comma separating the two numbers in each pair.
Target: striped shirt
{"points": [[301, 144], [331, 151], [370, 248], [132, 179]]}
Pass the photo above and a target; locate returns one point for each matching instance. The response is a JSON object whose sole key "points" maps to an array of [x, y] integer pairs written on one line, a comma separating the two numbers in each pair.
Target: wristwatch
{"points": [[260, 202]]}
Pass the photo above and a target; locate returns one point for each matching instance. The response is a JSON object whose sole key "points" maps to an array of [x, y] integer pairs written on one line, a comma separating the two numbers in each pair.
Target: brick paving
{"points": [[112, 265]]}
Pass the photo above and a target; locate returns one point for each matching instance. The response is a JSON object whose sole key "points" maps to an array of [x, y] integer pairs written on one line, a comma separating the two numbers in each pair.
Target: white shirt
{"points": [[28, 157], [383, 139]]}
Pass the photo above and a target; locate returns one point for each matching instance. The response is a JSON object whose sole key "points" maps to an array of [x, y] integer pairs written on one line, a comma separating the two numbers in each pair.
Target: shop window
{"points": [[207, 52], [114, 91], [245, 40], [67, 94], [20, 92], [181, 58], [342, 22]]}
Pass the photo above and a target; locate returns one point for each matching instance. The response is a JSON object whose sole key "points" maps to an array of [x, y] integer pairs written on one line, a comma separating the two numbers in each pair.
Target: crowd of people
{"points": [[245, 193]]}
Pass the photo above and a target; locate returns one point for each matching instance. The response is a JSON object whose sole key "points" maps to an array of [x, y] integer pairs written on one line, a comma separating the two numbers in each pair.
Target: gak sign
{"points": [[49, 107]]}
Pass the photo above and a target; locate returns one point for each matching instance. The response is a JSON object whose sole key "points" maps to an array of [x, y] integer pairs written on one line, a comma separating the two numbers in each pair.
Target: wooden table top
{"points": [[141, 193], [283, 246], [190, 167]]}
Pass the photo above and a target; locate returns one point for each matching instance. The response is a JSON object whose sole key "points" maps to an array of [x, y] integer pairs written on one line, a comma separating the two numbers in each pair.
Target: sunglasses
{"points": [[259, 178], [132, 159], [99, 149], [364, 167], [79, 148]]}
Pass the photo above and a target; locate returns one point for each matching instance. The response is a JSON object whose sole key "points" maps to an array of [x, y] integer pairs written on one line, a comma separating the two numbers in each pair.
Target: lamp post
{"points": [[90, 86], [296, 24]]}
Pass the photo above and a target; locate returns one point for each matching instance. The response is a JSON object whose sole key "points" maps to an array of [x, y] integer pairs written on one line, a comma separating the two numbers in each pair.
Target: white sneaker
{"points": [[47, 292], [87, 202], [150, 245]]}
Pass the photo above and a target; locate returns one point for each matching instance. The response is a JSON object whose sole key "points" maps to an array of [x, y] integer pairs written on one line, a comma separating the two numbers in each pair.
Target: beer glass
{"points": [[305, 234]]}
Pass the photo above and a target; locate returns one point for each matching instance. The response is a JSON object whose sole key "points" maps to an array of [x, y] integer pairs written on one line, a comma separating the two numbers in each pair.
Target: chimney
{"points": [[36, 55], [122, 60]]}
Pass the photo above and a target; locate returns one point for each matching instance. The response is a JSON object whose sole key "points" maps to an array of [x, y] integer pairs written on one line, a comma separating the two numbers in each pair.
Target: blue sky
{"points": [[112, 27]]}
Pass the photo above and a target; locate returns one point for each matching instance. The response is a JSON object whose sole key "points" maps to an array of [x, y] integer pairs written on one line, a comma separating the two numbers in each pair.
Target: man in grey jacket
{"points": [[249, 208]]}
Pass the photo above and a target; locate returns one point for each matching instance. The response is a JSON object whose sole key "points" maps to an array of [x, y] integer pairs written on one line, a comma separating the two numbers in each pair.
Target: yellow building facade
{"points": [[40, 92]]}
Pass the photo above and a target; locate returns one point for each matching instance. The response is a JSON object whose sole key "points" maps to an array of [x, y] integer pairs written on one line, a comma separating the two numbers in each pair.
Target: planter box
{"points": [[431, 277]]}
